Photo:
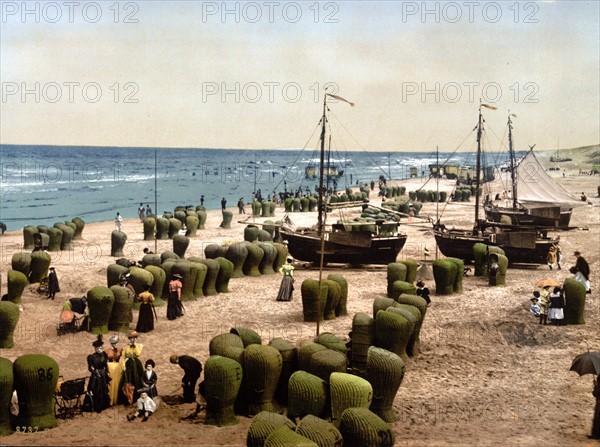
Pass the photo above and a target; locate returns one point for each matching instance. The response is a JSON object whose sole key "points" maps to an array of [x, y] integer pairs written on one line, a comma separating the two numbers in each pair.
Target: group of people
{"points": [[117, 377], [554, 256], [147, 312], [549, 306], [144, 212]]}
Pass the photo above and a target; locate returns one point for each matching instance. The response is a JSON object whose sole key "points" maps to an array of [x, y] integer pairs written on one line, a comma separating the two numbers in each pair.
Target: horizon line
{"points": [[269, 149]]}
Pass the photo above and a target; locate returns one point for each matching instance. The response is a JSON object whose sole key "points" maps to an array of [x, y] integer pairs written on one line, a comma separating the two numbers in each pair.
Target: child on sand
{"points": [[145, 407], [534, 308]]}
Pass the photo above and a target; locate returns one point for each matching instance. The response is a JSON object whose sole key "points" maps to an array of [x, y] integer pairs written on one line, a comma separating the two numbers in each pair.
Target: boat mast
{"points": [[320, 204], [511, 152], [478, 168]]}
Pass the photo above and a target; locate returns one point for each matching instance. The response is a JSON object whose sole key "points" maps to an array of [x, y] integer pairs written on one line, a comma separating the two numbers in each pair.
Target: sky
{"points": [[251, 75]]}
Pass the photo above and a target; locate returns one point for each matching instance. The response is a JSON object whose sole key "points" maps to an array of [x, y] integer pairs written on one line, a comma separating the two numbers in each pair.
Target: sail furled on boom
{"points": [[536, 188]]}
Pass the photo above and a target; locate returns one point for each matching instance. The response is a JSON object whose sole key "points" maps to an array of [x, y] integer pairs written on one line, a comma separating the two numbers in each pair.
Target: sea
{"points": [[42, 185]]}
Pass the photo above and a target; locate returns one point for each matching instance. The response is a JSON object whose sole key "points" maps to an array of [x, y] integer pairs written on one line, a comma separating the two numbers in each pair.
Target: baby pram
{"points": [[68, 397], [73, 317]]}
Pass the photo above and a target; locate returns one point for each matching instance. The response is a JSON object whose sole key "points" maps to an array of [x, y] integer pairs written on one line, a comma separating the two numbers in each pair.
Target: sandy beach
{"points": [[487, 373]]}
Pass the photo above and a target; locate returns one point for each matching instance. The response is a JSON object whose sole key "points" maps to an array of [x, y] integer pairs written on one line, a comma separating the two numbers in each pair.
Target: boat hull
{"points": [[307, 247], [459, 244], [559, 220]]}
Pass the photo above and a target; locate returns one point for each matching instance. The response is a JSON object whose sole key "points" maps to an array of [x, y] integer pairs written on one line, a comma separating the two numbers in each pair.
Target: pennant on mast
{"points": [[340, 98]]}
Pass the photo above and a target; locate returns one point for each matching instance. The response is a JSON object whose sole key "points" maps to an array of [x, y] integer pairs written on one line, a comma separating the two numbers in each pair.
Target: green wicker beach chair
{"points": [[348, 391], [35, 378], [222, 379], [360, 427], [9, 317], [385, 371], [263, 424], [6, 393], [307, 394]]}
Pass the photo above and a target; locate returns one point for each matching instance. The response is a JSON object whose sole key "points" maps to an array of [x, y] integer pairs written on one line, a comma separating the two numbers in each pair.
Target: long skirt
{"points": [[132, 375], [286, 289], [174, 308], [145, 318], [98, 388], [115, 371], [556, 313]]}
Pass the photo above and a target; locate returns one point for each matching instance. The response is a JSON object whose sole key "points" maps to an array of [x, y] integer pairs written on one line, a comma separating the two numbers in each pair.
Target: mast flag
{"points": [[340, 98], [487, 106]]}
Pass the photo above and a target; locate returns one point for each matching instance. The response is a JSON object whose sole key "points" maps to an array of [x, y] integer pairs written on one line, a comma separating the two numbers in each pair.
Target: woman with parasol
{"points": [[131, 380], [589, 363]]}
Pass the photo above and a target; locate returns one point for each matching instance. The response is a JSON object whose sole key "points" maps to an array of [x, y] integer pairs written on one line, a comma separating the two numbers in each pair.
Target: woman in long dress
{"points": [[98, 383], [115, 368], [286, 289], [131, 380], [146, 316], [174, 307]]}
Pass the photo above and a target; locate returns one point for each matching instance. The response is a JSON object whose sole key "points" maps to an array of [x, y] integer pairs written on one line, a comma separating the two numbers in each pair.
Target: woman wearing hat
{"points": [[582, 272], [98, 383], [131, 380], [115, 368], [53, 286], [146, 316], [423, 291], [174, 307], [286, 288]]}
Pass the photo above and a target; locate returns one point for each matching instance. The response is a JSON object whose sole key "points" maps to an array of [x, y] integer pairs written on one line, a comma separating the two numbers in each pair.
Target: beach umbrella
{"points": [[547, 283], [588, 363]]}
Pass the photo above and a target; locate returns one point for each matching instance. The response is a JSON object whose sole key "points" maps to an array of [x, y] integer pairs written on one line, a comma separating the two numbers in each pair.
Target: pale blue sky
{"points": [[177, 59]]}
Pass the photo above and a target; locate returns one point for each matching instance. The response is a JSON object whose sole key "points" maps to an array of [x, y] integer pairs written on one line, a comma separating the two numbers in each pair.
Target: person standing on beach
{"points": [[558, 255], [118, 222], [174, 307], [53, 286], [115, 368], [141, 212], [202, 200], [98, 383], [582, 272], [286, 288], [131, 380], [551, 258], [192, 369], [423, 291], [146, 316], [556, 314], [149, 378], [148, 210], [241, 205], [223, 204]]}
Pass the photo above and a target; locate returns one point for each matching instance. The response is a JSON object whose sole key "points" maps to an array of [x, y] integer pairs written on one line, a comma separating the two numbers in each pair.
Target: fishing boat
{"points": [[331, 170], [377, 242], [521, 244], [536, 199], [558, 158]]}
